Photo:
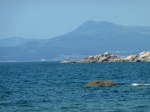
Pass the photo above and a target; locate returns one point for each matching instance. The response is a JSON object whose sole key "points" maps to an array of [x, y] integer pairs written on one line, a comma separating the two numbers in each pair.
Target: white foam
{"points": [[139, 84], [147, 84], [136, 84]]}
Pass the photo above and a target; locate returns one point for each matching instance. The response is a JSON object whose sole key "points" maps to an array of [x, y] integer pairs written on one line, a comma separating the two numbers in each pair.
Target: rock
{"points": [[148, 59], [93, 83], [106, 57], [90, 59], [143, 53], [103, 59], [106, 54], [131, 58], [98, 83], [144, 56], [119, 60], [113, 56]]}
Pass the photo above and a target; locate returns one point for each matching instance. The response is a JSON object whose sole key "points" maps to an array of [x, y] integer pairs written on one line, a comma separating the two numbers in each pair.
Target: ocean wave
{"points": [[139, 84]]}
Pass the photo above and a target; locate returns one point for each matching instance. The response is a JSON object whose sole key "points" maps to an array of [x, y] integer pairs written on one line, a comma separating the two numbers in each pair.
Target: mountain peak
{"points": [[94, 25], [97, 27], [97, 22]]}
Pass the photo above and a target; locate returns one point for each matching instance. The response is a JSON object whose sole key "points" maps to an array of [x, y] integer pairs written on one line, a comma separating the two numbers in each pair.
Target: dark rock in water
{"points": [[98, 83]]}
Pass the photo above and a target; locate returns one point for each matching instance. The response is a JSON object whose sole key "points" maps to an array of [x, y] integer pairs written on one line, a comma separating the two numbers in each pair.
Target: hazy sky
{"points": [[51, 18]]}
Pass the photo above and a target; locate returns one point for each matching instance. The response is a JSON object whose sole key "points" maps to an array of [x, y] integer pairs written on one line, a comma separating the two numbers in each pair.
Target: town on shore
{"points": [[107, 57]]}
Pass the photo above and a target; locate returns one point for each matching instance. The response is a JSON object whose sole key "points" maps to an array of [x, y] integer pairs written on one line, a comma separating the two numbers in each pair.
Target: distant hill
{"points": [[13, 41], [90, 38]]}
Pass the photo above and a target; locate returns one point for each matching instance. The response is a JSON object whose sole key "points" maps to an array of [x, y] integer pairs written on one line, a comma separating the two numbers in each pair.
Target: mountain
{"points": [[90, 38], [13, 41]]}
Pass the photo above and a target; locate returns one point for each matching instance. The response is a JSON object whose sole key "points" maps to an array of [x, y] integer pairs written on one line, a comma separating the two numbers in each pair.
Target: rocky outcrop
{"points": [[98, 83], [106, 57], [144, 56], [132, 58]]}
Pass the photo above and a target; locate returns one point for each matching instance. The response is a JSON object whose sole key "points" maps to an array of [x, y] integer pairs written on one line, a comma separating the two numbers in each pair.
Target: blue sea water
{"points": [[55, 87]]}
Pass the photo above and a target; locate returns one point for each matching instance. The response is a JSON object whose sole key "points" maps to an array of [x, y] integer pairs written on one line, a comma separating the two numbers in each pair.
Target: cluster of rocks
{"points": [[106, 57]]}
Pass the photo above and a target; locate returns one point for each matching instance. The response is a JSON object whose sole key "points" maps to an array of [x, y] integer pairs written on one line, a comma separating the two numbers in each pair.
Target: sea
{"points": [[56, 87]]}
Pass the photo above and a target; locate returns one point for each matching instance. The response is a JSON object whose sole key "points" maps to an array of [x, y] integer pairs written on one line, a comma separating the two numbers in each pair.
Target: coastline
{"points": [[107, 57]]}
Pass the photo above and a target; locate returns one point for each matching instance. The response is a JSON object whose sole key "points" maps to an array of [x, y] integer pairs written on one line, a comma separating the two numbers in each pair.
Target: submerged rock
{"points": [[98, 83]]}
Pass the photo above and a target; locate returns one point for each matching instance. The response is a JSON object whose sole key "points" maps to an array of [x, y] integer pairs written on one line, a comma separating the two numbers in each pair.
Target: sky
{"points": [[42, 19]]}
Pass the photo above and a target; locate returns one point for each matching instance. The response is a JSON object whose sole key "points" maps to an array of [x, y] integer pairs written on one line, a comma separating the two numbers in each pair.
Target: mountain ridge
{"points": [[14, 41], [90, 38]]}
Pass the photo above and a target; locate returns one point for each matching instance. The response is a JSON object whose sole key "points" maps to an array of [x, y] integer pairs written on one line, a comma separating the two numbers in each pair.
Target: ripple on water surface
{"points": [[54, 87]]}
